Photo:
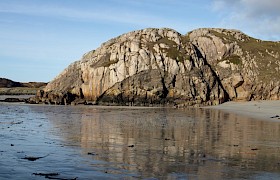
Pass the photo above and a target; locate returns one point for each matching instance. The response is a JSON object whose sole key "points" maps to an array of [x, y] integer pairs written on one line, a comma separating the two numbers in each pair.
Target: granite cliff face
{"points": [[161, 66]]}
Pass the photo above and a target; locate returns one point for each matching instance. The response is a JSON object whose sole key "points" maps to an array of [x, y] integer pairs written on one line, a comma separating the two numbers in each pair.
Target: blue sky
{"points": [[40, 38]]}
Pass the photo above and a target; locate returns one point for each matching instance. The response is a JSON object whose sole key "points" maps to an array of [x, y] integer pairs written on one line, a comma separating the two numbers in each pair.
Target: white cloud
{"points": [[259, 18]]}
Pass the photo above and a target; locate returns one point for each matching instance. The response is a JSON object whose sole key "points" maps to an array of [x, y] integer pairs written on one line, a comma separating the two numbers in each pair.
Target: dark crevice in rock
{"points": [[173, 82], [165, 91], [216, 77], [81, 93]]}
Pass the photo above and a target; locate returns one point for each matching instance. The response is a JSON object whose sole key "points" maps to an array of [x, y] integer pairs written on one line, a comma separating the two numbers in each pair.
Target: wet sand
{"points": [[93, 142], [263, 110], [2, 97]]}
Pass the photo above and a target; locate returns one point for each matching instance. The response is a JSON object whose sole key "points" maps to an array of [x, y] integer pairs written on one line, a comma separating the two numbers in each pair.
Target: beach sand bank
{"points": [[263, 110]]}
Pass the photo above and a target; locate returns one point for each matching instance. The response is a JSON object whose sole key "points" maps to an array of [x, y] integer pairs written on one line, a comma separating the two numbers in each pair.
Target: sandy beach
{"points": [[264, 110], [94, 142]]}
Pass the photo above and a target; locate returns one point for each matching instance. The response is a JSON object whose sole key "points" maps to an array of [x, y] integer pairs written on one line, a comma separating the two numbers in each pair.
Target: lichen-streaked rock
{"points": [[162, 67]]}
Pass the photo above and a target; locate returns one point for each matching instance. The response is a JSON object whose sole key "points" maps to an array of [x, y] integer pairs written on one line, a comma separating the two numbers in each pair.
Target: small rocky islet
{"points": [[154, 67]]}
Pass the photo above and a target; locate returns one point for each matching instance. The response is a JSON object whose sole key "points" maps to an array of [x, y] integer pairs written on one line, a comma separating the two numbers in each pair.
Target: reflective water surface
{"points": [[87, 142]]}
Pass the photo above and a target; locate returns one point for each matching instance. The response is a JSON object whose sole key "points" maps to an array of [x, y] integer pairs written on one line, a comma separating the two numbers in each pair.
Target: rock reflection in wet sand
{"points": [[171, 143]]}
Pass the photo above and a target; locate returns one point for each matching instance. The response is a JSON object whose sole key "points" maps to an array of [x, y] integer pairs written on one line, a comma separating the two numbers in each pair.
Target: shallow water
{"points": [[90, 142]]}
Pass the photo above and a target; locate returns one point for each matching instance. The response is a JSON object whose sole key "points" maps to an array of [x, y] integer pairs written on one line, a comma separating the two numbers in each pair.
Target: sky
{"points": [[40, 38]]}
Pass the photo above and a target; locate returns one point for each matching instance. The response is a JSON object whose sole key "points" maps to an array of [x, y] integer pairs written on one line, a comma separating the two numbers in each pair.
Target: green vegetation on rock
{"points": [[234, 59], [173, 51]]}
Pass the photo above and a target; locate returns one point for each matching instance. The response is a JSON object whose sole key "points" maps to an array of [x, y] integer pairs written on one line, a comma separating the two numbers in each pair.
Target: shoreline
{"points": [[261, 109], [23, 96]]}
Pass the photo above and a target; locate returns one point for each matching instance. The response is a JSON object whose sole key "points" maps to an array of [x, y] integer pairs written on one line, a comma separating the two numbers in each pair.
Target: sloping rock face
{"points": [[248, 68], [162, 67]]}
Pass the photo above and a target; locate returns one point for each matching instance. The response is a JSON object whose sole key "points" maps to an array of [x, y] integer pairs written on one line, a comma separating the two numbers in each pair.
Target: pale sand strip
{"points": [[265, 110]]}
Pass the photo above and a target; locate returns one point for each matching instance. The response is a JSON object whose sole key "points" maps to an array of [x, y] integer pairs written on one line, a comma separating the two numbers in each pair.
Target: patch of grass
{"points": [[254, 46], [174, 52], [164, 40], [234, 59], [225, 38]]}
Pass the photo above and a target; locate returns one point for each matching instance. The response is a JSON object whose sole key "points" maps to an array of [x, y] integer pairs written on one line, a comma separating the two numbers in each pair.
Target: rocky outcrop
{"points": [[248, 68], [162, 67]]}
